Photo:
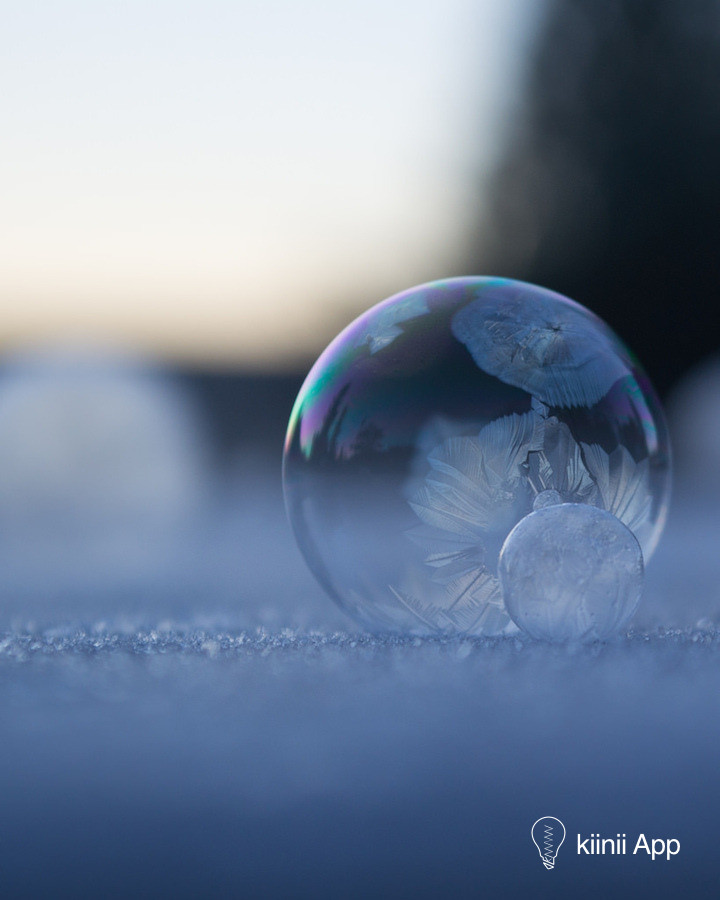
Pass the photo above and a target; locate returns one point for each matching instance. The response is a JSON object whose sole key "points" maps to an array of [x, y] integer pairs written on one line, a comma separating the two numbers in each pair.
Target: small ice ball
{"points": [[571, 572], [547, 498]]}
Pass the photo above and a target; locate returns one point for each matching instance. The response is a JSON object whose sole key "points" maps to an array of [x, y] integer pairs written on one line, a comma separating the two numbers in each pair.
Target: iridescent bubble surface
{"points": [[438, 420]]}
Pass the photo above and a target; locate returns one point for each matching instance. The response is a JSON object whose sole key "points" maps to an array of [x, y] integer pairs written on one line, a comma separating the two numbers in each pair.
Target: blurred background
{"points": [[196, 198], [220, 187]]}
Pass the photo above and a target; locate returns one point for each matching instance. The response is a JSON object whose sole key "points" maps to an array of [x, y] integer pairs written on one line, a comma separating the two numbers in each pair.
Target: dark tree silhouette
{"points": [[326, 447], [609, 190]]}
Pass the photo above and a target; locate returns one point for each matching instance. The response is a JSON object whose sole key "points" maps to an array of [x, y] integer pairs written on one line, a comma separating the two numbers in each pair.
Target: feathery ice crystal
{"points": [[440, 419]]}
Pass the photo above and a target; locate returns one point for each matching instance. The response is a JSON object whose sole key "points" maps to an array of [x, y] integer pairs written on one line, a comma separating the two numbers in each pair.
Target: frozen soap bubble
{"points": [[438, 420], [571, 573]]}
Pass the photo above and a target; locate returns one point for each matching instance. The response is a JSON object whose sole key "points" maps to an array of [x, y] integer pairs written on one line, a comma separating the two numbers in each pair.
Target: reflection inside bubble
{"points": [[433, 424]]}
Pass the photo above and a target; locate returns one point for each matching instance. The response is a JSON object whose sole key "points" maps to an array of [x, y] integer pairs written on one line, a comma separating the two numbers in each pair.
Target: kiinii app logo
{"points": [[548, 834]]}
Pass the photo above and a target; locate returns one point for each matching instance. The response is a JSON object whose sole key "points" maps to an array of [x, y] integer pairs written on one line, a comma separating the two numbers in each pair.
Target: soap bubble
{"points": [[571, 573], [438, 420]]}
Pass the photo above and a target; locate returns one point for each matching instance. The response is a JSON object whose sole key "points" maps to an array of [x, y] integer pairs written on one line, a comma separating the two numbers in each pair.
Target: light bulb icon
{"points": [[548, 834]]}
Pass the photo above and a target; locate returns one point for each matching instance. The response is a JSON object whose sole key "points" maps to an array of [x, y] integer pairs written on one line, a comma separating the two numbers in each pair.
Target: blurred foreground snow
{"points": [[197, 762]]}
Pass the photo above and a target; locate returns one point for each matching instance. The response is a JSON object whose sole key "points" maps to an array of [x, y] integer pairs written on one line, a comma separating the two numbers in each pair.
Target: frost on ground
{"points": [[197, 762], [215, 727], [183, 641]]}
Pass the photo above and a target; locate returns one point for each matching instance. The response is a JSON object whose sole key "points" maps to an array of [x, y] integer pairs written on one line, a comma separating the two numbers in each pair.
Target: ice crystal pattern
{"points": [[439, 418], [479, 488], [559, 353]]}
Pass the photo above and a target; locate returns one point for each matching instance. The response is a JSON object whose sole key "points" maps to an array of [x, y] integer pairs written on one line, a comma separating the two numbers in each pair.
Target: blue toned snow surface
{"points": [[214, 727]]}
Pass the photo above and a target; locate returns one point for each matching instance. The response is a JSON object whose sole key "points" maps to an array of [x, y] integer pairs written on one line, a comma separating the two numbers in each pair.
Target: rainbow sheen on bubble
{"points": [[438, 420]]}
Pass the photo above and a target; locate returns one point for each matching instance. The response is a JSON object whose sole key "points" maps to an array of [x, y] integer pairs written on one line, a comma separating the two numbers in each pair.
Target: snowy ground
{"points": [[214, 727]]}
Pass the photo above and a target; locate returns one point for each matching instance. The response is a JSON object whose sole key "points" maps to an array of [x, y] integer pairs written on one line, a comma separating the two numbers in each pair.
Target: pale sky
{"points": [[234, 181]]}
